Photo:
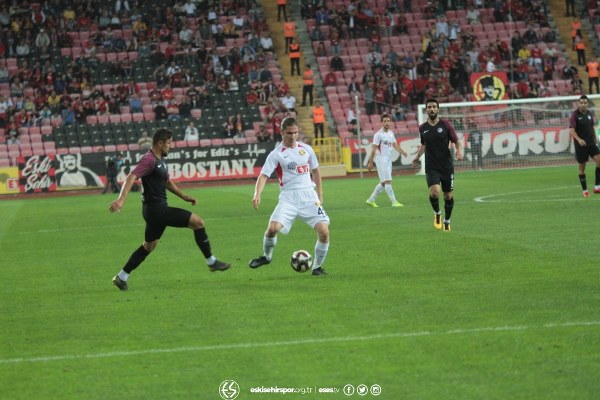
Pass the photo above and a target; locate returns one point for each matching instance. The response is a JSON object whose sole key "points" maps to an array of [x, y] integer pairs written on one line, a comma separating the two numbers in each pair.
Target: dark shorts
{"points": [[444, 178], [157, 220], [584, 153]]}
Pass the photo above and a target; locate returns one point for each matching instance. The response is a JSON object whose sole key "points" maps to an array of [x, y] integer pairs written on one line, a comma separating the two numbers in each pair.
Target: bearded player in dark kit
{"points": [[436, 135]]}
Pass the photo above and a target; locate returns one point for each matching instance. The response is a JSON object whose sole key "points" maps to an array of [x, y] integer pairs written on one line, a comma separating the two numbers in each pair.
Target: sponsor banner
{"points": [[36, 174], [488, 86], [85, 171], [79, 171], [9, 180], [534, 142], [214, 163]]}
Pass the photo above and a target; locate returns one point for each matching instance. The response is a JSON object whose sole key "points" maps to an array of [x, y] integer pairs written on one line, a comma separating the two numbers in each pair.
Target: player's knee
{"points": [[324, 236], [273, 229], [322, 232], [196, 222], [270, 233], [150, 246]]}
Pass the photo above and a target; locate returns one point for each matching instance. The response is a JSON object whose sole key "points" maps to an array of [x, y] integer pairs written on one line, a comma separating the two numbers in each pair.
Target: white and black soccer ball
{"points": [[301, 261]]}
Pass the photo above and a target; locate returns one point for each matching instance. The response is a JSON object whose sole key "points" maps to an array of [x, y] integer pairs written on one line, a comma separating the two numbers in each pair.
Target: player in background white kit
{"points": [[381, 152], [293, 163]]}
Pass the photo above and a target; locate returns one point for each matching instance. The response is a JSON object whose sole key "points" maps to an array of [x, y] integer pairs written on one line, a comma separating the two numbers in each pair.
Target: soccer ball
{"points": [[301, 261]]}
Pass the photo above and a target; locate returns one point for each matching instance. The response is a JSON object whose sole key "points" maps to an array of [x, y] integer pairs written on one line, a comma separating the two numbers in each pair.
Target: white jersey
{"points": [[292, 166], [385, 144]]}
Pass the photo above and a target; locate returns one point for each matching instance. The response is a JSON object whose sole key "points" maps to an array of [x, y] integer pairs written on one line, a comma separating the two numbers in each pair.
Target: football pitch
{"points": [[506, 306]]}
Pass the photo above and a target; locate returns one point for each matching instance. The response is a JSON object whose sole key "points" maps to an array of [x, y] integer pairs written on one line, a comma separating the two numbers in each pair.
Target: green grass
{"points": [[506, 306]]}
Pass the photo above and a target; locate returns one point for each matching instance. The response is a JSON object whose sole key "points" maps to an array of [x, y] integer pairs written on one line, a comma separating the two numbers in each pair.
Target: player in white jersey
{"points": [[381, 153], [293, 163]]}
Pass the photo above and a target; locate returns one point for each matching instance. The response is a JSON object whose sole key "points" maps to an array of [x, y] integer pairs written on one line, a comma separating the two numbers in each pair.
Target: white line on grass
{"points": [[193, 349], [489, 198]]}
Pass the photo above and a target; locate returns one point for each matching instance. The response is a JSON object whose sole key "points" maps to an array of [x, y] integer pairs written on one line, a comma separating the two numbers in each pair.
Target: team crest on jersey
{"points": [[589, 117], [439, 130], [292, 166], [301, 152]]}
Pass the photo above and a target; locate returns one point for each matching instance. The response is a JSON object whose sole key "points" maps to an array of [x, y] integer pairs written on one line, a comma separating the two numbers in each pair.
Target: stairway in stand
{"points": [[294, 82], [563, 25]]}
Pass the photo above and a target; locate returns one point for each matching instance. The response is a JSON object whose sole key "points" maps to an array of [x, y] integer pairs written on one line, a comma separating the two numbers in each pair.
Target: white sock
{"points": [[211, 260], [123, 275], [378, 189], [320, 254], [269, 246], [390, 193]]}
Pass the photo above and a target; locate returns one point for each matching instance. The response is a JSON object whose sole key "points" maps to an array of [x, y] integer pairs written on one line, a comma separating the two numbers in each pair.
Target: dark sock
{"points": [[597, 176], [136, 259], [435, 203], [448, 206], [202, 242], [584, 182]]}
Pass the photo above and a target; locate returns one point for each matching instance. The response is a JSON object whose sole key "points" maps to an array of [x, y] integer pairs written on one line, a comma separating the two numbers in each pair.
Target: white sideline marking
{"points": [[295, 342], [487, 199]]}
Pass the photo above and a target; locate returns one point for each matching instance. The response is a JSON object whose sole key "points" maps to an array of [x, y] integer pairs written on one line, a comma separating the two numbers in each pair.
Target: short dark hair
{"points": [[385, 115], [583, 97], [287, 122], [432, 100], [161, 135]]}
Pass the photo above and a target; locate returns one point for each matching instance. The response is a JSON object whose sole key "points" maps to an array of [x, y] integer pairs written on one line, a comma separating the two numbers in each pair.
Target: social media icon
{"points": [[375, 390], [362, 389], [348, 390]]}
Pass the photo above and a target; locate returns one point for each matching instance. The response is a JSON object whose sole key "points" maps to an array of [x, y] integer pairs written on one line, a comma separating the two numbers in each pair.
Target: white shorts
{"points": [[384, 170], [303, 204]]}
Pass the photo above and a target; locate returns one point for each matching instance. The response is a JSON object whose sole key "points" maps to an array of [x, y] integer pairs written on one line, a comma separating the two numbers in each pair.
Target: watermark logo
{"points": [[375, 390], [348, 390], [229, 389]]}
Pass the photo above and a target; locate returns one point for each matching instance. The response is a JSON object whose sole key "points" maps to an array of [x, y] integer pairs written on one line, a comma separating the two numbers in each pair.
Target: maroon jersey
{"points": [[155, 175]]}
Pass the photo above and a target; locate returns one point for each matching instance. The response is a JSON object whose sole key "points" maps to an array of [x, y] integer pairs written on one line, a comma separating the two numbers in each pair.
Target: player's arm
{"points": [[316, 175], [173, 188], [572, 132], [415, 161], [116, 205], [576, 137], [371, 156], [400, 150], [459, 154], [258, 189]]}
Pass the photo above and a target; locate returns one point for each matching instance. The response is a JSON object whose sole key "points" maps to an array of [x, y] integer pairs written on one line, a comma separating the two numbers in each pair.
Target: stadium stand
{"points": [[84, 56], [95, 67], [411, 36]]}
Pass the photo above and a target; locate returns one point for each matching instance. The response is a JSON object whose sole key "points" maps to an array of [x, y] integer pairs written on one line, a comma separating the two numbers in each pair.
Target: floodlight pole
{"points": [[360, 165]]}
